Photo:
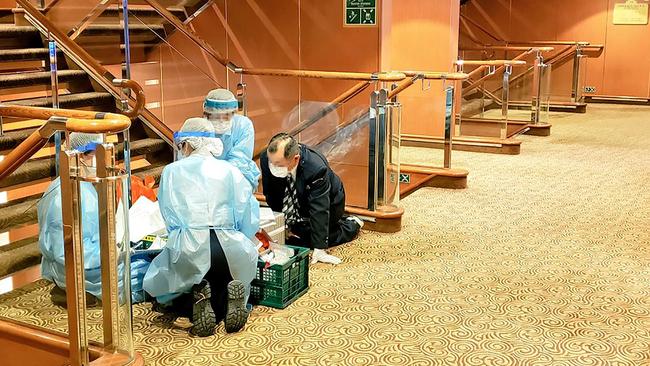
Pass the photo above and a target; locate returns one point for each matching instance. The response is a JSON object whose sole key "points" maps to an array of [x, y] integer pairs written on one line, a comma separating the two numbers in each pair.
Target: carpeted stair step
{"points": [[45, 168], [39, 78], [19, 255], [12, 31], [19, 214], [12, 36], [11, 139], [144, 15], [31, 170], [6, 16], [134, 29], [26, 54], [99, 100]]}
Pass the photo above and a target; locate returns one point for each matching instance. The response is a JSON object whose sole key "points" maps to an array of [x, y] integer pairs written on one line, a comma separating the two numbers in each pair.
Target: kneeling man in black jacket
{"points": [[299, 182]]}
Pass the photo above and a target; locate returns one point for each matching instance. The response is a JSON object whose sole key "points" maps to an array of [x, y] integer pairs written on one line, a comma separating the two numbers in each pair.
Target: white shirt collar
{"points": [[294, 170]]}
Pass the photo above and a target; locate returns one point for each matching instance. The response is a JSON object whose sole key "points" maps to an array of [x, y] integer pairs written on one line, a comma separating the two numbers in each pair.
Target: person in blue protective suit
{"points": [[50, 237], [205, 269], [235, 131]]}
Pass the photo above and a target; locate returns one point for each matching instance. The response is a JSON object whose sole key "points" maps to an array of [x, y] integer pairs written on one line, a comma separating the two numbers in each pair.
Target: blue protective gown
{"points": [[238, 147], [198, 194], [50, 241]]}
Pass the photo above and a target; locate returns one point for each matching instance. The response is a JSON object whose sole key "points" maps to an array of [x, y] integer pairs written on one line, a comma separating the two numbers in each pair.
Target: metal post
{"points": [[381, 146], [126, 74], [576, 93], [106, 202], [54, 81], [505, 97], [537, 89], [459, 100], [74, 260], [449, 115], [372, 156]]}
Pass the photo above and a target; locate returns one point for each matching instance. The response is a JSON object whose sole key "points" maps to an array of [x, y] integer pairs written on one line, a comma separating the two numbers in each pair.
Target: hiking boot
{"points": [[203, 319], [237, 313]]}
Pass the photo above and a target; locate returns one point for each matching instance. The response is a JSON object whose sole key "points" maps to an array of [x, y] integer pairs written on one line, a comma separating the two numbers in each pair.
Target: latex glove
{"points": [[319, 255]]}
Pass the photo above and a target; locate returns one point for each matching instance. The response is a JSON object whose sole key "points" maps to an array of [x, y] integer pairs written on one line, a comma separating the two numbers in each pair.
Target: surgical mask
{"points": [[221, 127], [277, 171]]}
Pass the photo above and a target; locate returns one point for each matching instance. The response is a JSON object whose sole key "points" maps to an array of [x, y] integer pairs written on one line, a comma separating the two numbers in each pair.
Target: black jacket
{"points": [[319, 190]]}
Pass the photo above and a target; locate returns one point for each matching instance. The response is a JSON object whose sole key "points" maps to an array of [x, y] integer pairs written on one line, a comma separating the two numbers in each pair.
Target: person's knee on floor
{"points": [[185, 263], [299, 182]]}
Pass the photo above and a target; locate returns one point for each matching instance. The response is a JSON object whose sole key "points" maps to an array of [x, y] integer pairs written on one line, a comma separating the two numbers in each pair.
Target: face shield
{"points": [[220, 113], [197, 141]]}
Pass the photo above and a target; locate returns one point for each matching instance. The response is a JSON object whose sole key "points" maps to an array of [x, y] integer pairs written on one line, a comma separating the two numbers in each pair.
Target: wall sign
{"points": [[631, 12], [360, 12]]}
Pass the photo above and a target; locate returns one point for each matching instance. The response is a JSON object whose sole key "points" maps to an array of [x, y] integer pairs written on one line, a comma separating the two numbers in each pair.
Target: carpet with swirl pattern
{"points": [[543, 260]]}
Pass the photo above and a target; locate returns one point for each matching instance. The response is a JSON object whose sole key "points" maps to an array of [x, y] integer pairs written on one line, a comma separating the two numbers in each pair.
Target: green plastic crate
{"points": [[280, 285]]}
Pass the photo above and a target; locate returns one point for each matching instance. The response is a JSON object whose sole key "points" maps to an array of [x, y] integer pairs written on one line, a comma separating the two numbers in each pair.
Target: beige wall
{"points": [[624, 67]]}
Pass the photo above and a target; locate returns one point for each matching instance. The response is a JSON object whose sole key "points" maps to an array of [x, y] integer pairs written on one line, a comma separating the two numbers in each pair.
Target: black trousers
{"points": [[218, 277], [341, 230]]}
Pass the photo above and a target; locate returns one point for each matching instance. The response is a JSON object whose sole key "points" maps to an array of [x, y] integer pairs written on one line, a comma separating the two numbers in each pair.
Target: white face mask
{"points": [[221, 127], [278, 172]]}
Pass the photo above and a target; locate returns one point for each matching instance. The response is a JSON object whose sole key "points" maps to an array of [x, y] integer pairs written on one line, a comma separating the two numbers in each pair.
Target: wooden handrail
{"points": [[136, 109], [490, 62], [430, 75], [57, 120], [475, 84], [544, 43], [508, 48], [388, 76]]}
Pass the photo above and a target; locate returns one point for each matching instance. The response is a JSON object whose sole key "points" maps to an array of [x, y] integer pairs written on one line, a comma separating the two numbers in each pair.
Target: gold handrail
{"points": [[337, 75], [57, 120], [544, 43], [507, 48]]}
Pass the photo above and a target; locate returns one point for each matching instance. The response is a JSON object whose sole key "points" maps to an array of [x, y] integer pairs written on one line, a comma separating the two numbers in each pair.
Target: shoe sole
{"points": [[203, 319], [237, 314]]}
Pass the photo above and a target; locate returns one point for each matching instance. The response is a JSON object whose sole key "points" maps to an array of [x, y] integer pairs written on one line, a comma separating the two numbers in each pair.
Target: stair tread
{"points": [[63, 99], [16, 29], [25, 54], [19, 255], [11, 139], [115, 27], [39, 77]]}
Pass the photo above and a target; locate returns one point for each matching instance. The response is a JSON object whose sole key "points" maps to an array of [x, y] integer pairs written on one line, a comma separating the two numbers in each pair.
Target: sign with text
{"points": [[360, 12], [631, 12]]}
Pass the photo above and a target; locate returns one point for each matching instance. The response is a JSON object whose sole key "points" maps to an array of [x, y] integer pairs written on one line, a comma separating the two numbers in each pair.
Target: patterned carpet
{"points": [[543, 260]]}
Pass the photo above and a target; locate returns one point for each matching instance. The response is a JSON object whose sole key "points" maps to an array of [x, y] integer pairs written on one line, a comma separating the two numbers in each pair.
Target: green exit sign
{"points": [[360, 12]]}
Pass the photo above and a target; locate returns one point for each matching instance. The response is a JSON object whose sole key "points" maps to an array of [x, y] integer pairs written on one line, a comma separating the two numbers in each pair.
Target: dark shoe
{"points": [[237, 314], [203, 317], [59, 298]]}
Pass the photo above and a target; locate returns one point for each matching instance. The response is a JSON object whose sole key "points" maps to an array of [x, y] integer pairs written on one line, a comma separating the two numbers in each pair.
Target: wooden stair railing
{"points": [[57, 120]]}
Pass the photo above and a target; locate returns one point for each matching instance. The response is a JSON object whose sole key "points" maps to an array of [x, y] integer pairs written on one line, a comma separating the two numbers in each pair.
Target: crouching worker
{"points": [[50, 227], [205, 269]]}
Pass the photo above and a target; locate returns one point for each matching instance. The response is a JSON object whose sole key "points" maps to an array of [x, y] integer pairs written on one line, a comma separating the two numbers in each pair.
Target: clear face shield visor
{"points": [[181, 139], [220, 113]]}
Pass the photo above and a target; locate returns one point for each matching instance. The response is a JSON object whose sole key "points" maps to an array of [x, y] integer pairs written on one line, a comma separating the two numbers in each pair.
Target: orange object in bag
{"points": [[140, 187], [144, 187]]}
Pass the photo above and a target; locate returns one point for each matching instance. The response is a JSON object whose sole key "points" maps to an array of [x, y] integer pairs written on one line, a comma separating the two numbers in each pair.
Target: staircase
{"points": [[25, 80]]}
